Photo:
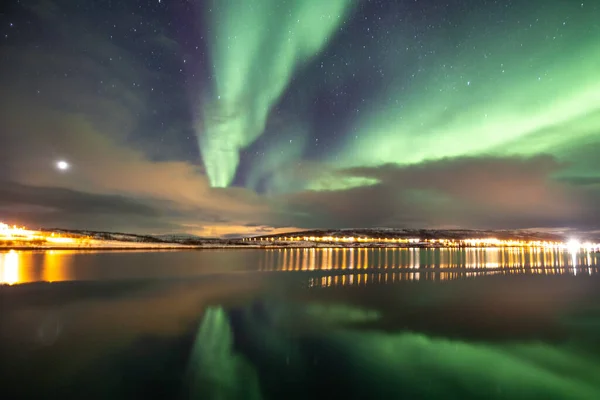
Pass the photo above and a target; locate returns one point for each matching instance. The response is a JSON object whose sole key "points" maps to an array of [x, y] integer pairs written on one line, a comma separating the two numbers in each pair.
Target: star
{"points": [[62, 165]]}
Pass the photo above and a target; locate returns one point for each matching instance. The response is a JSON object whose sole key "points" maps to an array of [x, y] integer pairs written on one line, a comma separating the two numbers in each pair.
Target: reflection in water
{"points": [[329, 266], [215, 371], [360, 266], [26, 266], [388, 277], [57, 266], [9, 268], [477, 370], [340, 313], [71, 265], [399, 258], [233, 337], [366, 363]]}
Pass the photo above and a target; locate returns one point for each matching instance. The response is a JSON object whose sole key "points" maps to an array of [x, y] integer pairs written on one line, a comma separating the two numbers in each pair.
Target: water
{"points": [[301, 323]]}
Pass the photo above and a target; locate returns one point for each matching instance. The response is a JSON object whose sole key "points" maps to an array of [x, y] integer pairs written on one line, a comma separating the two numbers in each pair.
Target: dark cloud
{"points": [[71, 201], [66, 208], [468, 192]]}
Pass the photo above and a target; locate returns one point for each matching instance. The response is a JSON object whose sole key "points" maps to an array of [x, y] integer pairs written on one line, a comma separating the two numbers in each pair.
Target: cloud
{"points": [[489, 192], [106, 166], [66, 208], [519, 185], [58, 199]]}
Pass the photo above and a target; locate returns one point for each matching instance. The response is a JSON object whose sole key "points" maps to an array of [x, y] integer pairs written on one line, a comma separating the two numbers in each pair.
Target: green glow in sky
{"points": [[512, 81], [529, 86], [255, 48]]}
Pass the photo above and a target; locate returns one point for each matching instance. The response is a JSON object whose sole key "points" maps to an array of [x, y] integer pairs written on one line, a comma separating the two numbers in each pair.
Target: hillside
{"points": [[425, 234]]}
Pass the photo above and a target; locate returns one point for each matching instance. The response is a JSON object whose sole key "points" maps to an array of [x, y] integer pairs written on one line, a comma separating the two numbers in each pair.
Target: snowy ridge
{"points": [[456, 234]]}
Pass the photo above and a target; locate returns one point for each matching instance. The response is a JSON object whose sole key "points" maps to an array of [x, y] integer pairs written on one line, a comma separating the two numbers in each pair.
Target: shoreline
{"points": [[175, 247]]}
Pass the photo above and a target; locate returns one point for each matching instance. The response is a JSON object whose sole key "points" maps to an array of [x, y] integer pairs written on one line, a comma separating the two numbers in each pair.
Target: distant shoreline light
{"points": [[15, 233], [21, 234], [571, 245]]}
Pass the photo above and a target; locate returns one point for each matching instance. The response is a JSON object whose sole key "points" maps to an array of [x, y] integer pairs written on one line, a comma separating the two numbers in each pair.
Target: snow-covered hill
{"points": [[456, 234]]}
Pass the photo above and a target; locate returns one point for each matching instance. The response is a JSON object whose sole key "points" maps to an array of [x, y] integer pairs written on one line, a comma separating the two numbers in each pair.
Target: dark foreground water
{"points": [[300, 324]]}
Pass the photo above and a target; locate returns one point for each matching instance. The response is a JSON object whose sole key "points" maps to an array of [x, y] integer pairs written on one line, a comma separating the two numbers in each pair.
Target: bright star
{"points": [[62, 165]]}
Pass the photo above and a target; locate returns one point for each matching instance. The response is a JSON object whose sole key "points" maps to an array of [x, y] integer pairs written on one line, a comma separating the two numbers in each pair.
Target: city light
{"points": [[15, 236], [20, 236], [571, 245], [574, 245]]}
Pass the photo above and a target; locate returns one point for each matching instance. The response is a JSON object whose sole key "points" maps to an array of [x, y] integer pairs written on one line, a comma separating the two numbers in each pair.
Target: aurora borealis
{"points": [[506, 87], [516, 86], [256, 49], [232, 117]]}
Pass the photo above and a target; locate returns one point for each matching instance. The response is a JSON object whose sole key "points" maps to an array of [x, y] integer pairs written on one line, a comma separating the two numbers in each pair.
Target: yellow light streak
{"points": [[20, 236], [9, 268]]}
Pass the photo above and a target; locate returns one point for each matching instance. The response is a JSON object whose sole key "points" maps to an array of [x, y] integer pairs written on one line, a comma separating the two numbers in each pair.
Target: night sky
{"points": [[244, 116]]}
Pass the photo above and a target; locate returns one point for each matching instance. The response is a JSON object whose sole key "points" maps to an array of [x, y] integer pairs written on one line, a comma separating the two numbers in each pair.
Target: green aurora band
{"points": [[256, 47], [501, 91], [525, 83], [510, 89]]}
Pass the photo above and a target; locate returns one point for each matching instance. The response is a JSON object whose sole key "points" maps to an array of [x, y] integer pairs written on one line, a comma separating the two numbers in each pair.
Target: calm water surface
{"points": [[301, 323]]}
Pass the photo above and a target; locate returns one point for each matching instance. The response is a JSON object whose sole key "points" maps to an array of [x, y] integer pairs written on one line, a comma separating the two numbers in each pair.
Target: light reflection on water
{"points": [[24, 267], [253, 330], [389, 277], [17, 267], [328, 266], [361, 266], [414, 258], [9, 268]]}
